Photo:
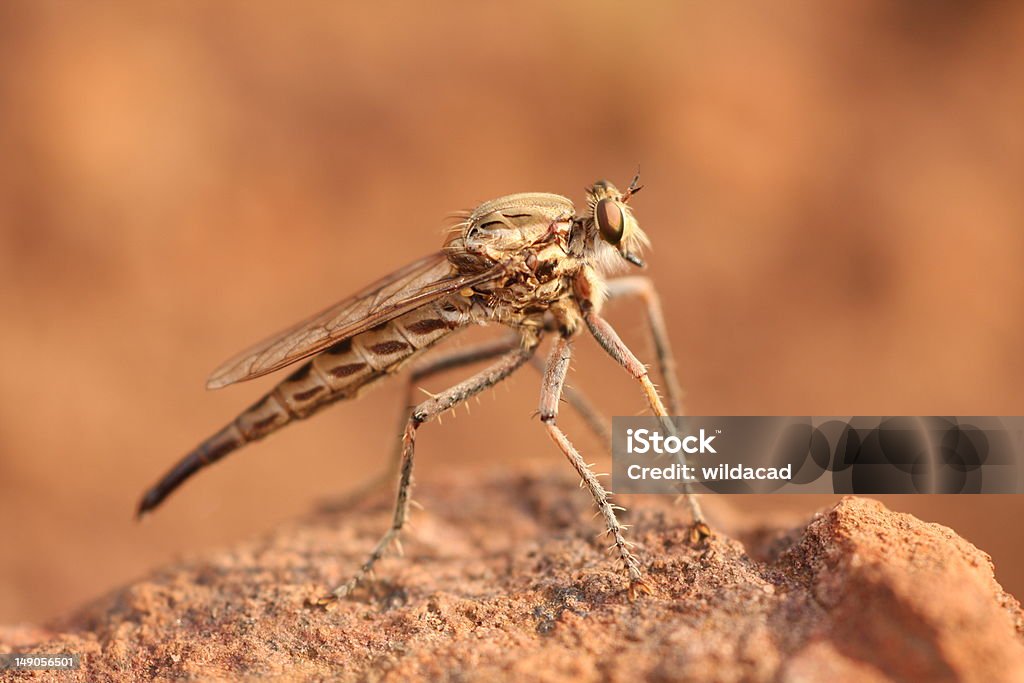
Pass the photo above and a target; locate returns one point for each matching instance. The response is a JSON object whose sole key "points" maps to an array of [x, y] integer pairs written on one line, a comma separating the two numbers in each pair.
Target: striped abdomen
{"points": [[338, 373]]}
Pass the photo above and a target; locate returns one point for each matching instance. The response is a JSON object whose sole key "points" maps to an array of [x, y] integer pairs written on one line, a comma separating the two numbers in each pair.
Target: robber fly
{"points": [[525, 261]]}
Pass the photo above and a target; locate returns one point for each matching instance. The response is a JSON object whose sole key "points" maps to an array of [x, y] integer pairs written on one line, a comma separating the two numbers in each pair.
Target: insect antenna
{"points": [[633, 188]]}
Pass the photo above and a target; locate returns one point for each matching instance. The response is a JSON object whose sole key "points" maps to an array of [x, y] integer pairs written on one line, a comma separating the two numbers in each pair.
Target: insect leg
{"points": [[431, 366], [609, 339], [642, 287], [486, 351], [424, 412], [551, 392], [597, 422]]}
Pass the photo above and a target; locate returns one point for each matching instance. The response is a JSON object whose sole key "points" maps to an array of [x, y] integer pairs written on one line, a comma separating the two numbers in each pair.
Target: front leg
{"points": [[642, 287], [609, 340]]}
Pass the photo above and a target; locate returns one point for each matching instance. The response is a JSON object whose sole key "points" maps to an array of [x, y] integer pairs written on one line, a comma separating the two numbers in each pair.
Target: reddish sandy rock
{"points": [[504, 578]]}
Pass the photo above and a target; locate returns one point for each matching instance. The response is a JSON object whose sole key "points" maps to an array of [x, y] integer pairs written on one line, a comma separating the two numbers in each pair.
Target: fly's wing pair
{"points": [[404, 290]]}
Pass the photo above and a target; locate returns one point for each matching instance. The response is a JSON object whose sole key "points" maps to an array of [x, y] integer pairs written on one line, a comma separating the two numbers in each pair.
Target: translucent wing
{"points": [[396, 294]]}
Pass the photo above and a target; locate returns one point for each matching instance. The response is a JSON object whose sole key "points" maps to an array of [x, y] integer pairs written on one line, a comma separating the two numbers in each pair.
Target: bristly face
{"points": [[613, 232]]}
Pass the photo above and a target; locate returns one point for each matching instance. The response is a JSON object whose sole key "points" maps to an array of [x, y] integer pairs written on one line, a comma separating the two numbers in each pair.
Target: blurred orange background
{"points": [[834, 194]]}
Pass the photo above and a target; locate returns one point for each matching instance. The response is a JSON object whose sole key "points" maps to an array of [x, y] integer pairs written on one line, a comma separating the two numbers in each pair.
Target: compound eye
{"points": [[610, 220]]}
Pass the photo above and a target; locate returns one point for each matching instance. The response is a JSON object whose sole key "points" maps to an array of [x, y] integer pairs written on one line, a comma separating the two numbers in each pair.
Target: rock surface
{"points": [[503, 578]]}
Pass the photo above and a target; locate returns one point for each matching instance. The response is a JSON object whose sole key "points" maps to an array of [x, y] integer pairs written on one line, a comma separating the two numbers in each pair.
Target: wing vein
{"points": [[404, 290]]}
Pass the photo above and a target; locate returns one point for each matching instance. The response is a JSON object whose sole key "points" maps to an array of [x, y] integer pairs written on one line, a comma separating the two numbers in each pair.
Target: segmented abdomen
{"points": [[344, 369], [338, 373]]}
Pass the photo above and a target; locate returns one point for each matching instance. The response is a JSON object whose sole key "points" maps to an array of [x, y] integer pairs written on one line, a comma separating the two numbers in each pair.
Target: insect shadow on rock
{"points": [[528, 262]]}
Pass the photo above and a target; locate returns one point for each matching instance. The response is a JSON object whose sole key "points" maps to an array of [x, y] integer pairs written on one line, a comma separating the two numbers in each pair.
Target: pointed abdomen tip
{"points": [[146, 505]]}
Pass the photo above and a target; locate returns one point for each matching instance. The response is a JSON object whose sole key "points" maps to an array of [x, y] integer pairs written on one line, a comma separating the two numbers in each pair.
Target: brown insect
{"points": [[526, 261]]}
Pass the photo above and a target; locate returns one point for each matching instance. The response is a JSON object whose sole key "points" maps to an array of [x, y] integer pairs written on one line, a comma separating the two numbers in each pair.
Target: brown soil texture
{"points": [[503, 578]]}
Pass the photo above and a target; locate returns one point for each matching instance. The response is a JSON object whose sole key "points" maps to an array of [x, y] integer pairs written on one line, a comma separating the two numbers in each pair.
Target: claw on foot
{"points": [[323, 601], [637, 586], [335, 595], [699, 532]]}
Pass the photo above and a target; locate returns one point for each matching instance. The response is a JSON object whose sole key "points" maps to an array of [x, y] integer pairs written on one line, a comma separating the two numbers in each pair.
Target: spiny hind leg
{"points": [[551, 393], [609, 339], [450, 360], [457, 358], [424, 412]]}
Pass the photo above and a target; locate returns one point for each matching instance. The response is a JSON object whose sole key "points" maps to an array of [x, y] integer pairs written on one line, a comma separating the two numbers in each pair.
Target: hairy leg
{"points": [[424, 412], [640, 286], [450, 360], [609, 339], [579, 402], [457, 358], [551, 393]]}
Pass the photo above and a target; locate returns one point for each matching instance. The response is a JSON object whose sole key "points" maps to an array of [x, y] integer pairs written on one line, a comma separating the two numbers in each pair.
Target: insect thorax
{"points": [[542, 245]]}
